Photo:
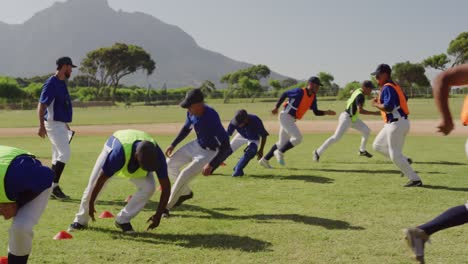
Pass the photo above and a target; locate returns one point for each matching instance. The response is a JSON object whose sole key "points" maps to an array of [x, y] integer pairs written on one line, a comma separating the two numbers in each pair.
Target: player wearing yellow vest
{"points": [[24, 192], [416, 237], [134, 155], [350, 118], [392, 103]]}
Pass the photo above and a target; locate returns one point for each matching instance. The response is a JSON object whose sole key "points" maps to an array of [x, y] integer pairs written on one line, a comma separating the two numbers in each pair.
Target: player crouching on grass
{"points": [[134, 155], [299, 101], [249, 130], [24, 192]]}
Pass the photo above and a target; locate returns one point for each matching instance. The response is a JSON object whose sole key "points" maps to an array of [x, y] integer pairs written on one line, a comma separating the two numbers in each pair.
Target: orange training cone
{"points": [[63, 235], [106, 214], [3, 260], [128, 199]]}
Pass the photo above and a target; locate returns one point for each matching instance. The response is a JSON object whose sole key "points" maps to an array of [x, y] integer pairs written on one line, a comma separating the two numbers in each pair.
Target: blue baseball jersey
{"points": [[116, 159], [389, 98], [55, 95], [208, 127], [294, 99], [26, 178], [252, 131]]}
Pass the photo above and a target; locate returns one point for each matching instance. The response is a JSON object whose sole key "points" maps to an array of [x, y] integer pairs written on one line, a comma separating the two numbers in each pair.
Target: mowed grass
{"points": [[420, 109], [345, 209]]}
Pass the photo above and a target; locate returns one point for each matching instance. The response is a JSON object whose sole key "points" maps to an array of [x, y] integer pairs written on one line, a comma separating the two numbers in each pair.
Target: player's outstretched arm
{"points": [[95, 192], [155, 219]]}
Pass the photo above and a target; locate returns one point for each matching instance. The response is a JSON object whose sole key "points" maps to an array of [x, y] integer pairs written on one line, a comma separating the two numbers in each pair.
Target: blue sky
{"points": [[302, 37]]}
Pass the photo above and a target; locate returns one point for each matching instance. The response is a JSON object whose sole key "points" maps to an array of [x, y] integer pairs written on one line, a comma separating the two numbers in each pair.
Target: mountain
{"points": [[75, 27]]}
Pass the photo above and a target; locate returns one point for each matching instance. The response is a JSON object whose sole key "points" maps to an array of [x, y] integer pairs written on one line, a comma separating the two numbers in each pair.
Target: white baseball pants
{"points": [[390, 141], [288, 130], [344, 122], [145, 189], [57, 132], [196, 157], [239, 140], [21, 230]]}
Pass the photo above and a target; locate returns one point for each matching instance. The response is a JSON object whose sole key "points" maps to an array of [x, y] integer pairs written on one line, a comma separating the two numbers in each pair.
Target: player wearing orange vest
{"points": [[455, 216], [392, 103], [299, 101]]}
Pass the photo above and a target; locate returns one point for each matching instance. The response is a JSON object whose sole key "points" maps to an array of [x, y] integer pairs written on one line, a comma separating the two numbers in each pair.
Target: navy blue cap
{"points": [[240, 117], [65, 61], [382, 68], [192, 97], [315, 80]]}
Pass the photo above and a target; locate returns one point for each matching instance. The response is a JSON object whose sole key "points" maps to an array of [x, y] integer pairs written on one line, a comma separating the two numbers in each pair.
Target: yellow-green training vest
{"points": [[351, 101], [127, 138], [7, 155]]}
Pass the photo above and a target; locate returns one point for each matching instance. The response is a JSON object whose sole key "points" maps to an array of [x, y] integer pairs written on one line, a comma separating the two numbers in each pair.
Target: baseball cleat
{"points": [[264, 163], [365, 154], [316, 156], [127, 228], [183, 198], [279, 157], [238, 174], [415, 239], [58, 194], [414, 184], [75, 226], [165, 213]]}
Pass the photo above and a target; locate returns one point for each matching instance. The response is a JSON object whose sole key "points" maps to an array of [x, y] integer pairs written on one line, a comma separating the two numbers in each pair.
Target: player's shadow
{"points": [[120, 203], [266, 218], [305, 178], [359, 171], [449, 163], [436, 187], [212, 241]]}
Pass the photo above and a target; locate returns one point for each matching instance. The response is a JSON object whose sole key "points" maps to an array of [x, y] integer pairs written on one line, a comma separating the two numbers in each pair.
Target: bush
{"points": [[349, 88], [9, 89], [34, 90]]}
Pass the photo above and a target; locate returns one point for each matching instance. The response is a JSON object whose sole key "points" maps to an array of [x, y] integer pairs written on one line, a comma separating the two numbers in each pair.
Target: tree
{"points": [[84, 81], [207, 87], [327, 84], [411, 75], [254, 73], [9, 89], [288, 82], [458, 48], [438, 62], [110, 64], [276, 86], [349, 88]]}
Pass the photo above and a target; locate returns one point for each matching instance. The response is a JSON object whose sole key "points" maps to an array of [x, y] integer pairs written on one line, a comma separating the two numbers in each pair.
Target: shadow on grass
{"points": [[440, 163], [304, 219], [120, 203], [213, 241], [306, 178], [436, 187]]}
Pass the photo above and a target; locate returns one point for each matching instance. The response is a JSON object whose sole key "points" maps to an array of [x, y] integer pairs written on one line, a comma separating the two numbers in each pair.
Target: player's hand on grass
{"points": [[274, 111], [207, 170], [446, 126], [155, 220], [331, 112], [92, 211], [42, 132], [169, 151]]}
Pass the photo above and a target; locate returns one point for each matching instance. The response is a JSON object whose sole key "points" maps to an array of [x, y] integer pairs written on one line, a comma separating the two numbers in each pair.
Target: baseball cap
{"points": [[382, 68], [240, 117], [192, 97], [315, 80], [368, 84], [65, 61]]}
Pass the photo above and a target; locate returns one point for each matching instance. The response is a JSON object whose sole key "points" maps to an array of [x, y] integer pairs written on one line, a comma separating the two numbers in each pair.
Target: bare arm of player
{"points": [[376, 104], [262, 146], [441, 89], [40, 114], [95, 192], [155, 219], [363, 111], [8, 210]]}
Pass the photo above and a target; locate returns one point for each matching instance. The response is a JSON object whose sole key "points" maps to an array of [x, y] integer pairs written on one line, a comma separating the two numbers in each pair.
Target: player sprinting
{"points": [[299, 101], [350, 118], [250, 132], [55, 112], [416, 237], [203, 155], [134, 155], [24, 192], [392, 103]]}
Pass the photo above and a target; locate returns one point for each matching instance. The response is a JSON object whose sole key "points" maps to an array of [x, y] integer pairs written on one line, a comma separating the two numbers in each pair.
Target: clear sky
{"points": [[301, 37]]}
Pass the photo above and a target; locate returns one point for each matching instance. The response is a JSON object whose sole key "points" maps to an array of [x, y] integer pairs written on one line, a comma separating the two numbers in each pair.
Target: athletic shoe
{"points": [[414, 184], [238, 174], [127, 228], [316, 156], [264, 163], [58, 194], [365, 154], [415, 239], [165, 213], [183, 198], [279, 157], [75, 226]]}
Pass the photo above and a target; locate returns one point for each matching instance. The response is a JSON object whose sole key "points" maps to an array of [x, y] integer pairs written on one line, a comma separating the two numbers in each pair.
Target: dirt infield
{"points": [[418, 127]]}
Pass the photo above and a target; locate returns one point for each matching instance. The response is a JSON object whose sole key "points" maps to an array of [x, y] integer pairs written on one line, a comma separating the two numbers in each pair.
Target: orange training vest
{"points": [[401, 96], [304, 105], [464, 112]]}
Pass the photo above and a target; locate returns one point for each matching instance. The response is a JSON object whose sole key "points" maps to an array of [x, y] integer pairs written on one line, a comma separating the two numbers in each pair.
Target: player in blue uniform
{"points": [[204, 154], [25, 186], [249, 131], [134, 155]]}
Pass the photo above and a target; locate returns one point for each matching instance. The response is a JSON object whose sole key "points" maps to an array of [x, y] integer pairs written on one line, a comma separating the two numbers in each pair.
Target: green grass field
{"points": [[420, 109], [345, 209]]}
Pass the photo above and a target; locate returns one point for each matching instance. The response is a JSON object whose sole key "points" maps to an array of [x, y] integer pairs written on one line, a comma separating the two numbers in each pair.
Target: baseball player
{"points": [[24, 192], [204, 154], [392, 103], [299, 101], [134, 155], [55, 112], [249, 131], [416, 237], [350, 118]]}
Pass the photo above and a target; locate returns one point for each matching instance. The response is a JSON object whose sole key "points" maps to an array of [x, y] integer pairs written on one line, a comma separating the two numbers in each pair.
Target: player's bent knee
{"points": [[296, 141]]}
